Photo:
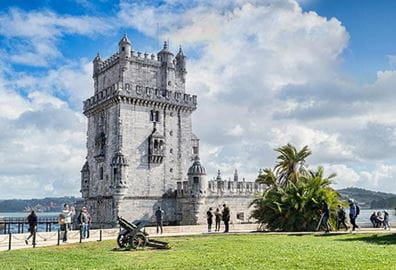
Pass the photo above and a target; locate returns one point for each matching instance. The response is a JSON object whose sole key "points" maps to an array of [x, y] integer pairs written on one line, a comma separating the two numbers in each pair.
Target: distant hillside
{"points": [[367, 198], [41, 205]]}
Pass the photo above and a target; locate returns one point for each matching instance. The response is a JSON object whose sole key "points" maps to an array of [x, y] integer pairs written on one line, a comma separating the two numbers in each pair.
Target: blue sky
{"points": [[371, 26], [271, 72]]}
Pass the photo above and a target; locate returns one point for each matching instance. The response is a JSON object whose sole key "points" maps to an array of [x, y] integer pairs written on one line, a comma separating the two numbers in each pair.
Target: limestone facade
{"points": [[140, 144]]}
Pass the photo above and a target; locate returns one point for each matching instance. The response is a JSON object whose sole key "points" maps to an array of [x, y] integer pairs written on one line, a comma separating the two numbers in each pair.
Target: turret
{"points": [[124, 47], [96, 63], [236, 175], [85, 180], [196, 178], [181, 62], [119, 178], [165, 56]]}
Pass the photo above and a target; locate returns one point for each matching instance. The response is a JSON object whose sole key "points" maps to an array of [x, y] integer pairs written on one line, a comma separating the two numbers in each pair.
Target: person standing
{"points": [[353, 213], [386, 220], [83, 222], [89, 223], [209, 217], [159, 216], [341, 217], [373, 219], [217, 214], [226, 217], [64, 221], [32, 221], [325, 216]]}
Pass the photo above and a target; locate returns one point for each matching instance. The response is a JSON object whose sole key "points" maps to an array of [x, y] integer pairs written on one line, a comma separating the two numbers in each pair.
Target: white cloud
{"points": [[34, 34]]}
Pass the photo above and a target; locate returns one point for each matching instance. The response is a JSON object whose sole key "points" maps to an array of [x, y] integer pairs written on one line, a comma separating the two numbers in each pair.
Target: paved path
{"points": [[51, 238]]}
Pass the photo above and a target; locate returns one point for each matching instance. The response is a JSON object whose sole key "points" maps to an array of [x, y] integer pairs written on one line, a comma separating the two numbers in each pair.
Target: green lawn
{"points": [[249, 251]]}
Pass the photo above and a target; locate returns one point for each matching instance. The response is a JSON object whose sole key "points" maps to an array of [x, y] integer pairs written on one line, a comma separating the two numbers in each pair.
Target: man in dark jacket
{"points": [[226, 217], [326, 216], [209, 217], [341, 216], [353, 213], [32, 221], [159, 217]]}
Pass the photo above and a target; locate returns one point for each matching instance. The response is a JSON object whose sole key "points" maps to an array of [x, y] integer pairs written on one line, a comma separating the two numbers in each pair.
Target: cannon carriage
{"points": [[133, 236]]}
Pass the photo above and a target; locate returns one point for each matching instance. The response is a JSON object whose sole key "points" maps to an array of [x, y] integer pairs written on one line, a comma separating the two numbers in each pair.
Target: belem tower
{"points": [[141, 152]]}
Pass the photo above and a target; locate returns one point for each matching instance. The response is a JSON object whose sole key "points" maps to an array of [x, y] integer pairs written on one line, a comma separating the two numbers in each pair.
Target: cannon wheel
{"points": [[122, 241], [139, 240]]}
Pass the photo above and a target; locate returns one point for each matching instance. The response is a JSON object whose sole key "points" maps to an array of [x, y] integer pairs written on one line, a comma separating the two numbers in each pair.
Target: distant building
{"points": [[141, 146]]}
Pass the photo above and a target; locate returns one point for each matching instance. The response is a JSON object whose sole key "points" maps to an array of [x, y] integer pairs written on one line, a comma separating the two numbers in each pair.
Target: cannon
{"points": [[132, 236]]}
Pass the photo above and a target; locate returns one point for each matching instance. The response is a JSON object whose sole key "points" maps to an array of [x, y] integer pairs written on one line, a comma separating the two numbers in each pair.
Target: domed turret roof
{"points": [[124, 40], [119, 160], [165, 49], [196, 168]]}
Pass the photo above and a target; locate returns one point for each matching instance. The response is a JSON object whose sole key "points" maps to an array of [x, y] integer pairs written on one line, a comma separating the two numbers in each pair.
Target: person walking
{"points": [[217, 214], [386, 220], [325, 216], [226, 217], [341, 217], [32, 221], [209, 217], [354, 211], [159, 216]]}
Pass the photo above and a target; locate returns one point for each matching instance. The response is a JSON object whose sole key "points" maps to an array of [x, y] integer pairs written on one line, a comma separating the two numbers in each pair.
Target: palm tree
{"points": [[290, 164], [267, 177]]}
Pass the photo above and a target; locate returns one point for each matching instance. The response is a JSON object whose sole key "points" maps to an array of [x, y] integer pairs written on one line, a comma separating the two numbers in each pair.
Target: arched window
{"points": [[101, 173]]}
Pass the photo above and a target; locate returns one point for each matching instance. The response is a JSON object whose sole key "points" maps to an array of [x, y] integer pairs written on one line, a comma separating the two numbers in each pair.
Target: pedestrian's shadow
{"points": [[378, 239]]}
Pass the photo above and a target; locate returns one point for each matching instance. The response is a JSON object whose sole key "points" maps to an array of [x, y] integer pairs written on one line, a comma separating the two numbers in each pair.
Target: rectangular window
{"points": [[157, 116], [195, 150], [154, 116]]}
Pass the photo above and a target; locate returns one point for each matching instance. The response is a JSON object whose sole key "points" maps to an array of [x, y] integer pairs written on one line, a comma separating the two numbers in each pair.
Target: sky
{"points": [[266, 72]]}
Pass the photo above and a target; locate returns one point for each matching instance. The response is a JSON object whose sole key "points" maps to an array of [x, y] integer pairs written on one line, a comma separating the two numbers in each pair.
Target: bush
{"points": [[293, 199]]}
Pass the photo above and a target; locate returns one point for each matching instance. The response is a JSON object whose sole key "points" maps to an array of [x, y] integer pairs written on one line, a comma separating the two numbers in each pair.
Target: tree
{"points": [[290, 164], [293, 199]]}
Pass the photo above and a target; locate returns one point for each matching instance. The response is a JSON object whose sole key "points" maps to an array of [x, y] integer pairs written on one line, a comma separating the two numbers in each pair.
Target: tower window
{"points": [[195, 150], [196, 180], [101, 173], [123, 49], [154, 116]]}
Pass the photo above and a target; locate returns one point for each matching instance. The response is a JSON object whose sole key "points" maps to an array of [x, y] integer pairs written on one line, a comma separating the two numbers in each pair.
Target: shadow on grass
{"points": [[382, 239]]}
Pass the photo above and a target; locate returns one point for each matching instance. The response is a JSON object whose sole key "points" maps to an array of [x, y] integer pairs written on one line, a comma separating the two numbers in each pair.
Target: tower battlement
{"points": [[139, 94]]}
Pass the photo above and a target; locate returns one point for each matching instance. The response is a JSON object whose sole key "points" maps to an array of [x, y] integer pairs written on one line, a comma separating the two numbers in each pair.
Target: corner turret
{"points": [[124, 47], [181, 63], [96, 63], [196, 178], [165, 56]]}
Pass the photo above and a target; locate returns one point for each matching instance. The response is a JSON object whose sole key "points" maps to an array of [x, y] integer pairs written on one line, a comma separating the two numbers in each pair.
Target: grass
{"points": [[248, 251]]}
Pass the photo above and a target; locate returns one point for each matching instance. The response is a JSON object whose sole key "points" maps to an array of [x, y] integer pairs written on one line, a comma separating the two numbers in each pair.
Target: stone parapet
{"points": [[223, 188], [150, 95]]}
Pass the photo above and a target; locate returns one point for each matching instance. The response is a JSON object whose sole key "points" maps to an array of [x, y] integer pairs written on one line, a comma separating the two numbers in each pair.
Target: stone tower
{"points": [[139, 140]]}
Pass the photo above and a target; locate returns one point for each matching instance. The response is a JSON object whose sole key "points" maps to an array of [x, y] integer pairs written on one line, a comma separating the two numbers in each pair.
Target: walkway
{"points": [[51, 238]]}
